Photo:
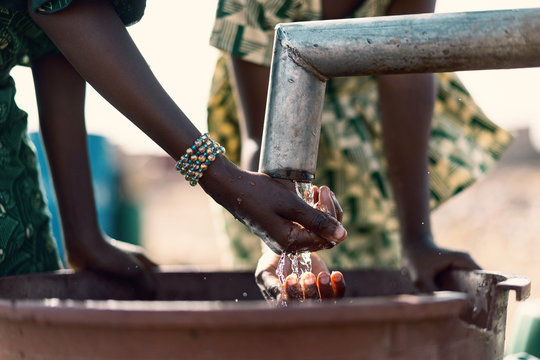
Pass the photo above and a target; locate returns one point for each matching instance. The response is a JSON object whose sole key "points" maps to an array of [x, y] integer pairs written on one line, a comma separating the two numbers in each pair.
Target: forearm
{"points": [[91, 36], [60, 94], [406, 106], [96, 43], [250, 88]]}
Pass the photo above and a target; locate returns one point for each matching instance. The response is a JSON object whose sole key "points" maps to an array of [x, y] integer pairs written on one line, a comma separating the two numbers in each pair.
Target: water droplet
{"points": [[239, 200], [422, 223], [244, 294], [235, 300], [252, 183], [204, 278]]}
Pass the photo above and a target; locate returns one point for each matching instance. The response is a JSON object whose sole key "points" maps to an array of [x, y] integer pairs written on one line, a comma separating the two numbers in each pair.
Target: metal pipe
{"points": [[306, 54]]}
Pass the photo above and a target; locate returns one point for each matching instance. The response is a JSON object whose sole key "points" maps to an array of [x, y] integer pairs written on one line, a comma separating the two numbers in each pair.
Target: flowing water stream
{"points": [[301, 261]]}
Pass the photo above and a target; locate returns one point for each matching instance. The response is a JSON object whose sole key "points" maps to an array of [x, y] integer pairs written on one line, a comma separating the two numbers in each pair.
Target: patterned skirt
{"points": [[463, 145]]}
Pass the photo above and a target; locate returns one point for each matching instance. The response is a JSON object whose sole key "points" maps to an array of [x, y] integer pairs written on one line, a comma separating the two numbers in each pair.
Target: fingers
{"points": [[339, 210], [315, 194], [326, 231], [324, 285], [308, 282], [293, 290], [338, 284], [300, 240], [424, 277], [425, 284], [326, 202], [464, 261], [268, 281]]}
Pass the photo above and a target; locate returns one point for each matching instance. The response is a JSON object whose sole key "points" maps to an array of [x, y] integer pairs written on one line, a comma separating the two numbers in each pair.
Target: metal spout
{"points": [[306, 54]]}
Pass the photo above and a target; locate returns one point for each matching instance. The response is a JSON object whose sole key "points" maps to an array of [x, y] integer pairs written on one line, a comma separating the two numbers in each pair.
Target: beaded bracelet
{"points": [[197, 158]]}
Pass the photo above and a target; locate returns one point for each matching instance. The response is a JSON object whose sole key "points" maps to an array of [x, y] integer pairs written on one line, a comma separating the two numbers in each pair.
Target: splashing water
{"points": [[305, 191], [300, 262]]}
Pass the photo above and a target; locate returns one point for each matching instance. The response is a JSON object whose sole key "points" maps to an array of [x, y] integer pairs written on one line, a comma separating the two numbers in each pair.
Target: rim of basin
{"points": [[246, 313]]}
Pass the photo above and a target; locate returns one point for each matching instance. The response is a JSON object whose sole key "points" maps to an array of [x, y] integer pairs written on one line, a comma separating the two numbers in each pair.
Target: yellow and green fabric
{"points": [[26, 243], [463, 145]]}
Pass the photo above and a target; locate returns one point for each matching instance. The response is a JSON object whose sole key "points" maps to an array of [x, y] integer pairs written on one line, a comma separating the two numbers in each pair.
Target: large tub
{"points": [[221, 315]]}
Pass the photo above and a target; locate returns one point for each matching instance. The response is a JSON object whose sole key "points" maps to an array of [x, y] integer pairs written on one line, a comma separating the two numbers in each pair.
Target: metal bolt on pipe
{"points": [[306, 54]]}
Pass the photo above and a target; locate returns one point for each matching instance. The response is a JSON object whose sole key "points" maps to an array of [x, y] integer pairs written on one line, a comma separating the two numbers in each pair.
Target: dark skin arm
{"points": [[252, 84], [406, 104], [60, 95], [93, 39]]}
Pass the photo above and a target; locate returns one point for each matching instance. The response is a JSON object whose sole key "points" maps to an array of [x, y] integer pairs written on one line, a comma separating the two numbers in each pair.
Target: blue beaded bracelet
{"points": [[195, 161]]}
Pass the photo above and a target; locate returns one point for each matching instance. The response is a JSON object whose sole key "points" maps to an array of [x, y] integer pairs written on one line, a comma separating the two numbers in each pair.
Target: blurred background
{"points": [[496, 220]]}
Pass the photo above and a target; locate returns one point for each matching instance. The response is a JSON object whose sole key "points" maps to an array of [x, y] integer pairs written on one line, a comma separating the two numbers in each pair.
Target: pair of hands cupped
{"points": [[317, 284]]}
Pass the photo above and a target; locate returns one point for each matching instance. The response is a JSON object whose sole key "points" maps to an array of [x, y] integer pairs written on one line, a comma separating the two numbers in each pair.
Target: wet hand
{"points": [[323, 286], [423, 263], [272, 209]]}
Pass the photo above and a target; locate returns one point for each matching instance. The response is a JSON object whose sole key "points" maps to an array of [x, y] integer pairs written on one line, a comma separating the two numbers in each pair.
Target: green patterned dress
{"points": [[464, 143], [26, 243]]}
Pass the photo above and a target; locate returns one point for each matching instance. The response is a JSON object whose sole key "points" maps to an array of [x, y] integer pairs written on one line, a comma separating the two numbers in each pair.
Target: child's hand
{"points": [[115, 258], [310, 286], [424, 261]]}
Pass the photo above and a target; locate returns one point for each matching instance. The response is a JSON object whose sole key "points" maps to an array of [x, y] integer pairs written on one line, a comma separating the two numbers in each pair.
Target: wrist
{"points": [[417, 241], [81, 247], [194, 163], [220, 173]]}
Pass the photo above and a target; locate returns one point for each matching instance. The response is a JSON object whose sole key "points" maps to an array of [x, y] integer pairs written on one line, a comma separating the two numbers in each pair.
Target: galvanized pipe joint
{"points": [[306, 54]]}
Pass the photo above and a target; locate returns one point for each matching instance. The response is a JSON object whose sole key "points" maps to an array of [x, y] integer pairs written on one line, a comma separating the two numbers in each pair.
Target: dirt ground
{"points": [[496, 220]]}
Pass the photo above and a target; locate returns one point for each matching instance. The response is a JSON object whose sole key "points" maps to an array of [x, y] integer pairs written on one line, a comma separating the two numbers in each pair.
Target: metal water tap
{"points": [[307, 54]]}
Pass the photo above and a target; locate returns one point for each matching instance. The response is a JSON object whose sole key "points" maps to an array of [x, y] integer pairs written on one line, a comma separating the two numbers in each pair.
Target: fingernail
{"points": [[324, 278], [337, 276], [308, 278], [292, 280], [340, 232]]}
